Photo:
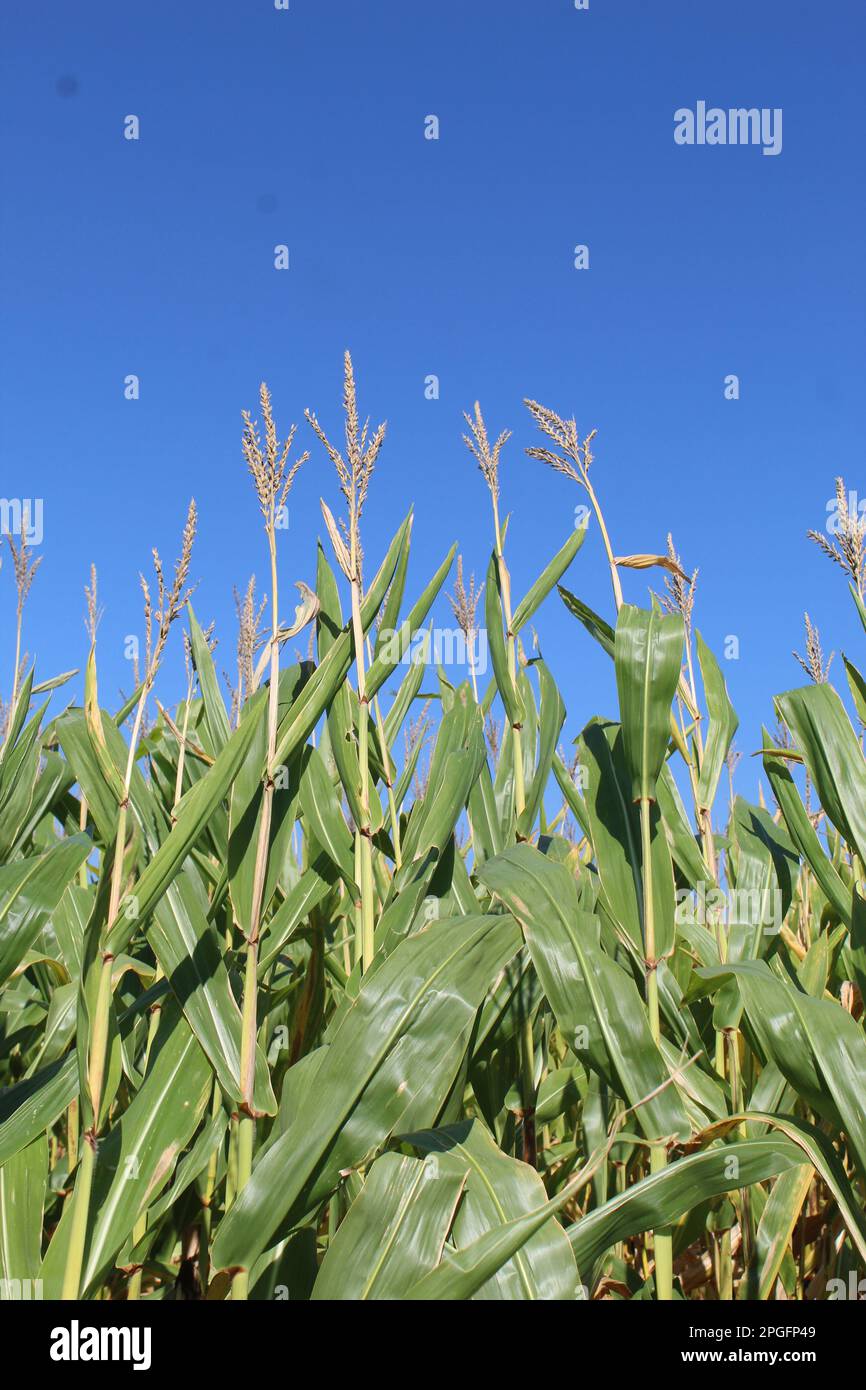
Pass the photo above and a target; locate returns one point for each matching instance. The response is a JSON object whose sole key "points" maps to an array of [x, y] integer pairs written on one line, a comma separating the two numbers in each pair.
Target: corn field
{"points": [[367, 984]]}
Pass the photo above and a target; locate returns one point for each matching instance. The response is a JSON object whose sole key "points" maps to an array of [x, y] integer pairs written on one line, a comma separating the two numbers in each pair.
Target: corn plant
{"points": [[368, 985]]}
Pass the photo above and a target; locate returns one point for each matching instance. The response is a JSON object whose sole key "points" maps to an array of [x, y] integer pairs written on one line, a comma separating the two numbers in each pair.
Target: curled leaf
{"points": [[337, 541], [645, 562]]}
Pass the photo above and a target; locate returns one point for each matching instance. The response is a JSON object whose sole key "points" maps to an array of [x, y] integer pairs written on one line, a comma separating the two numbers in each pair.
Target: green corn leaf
{"points": [[596, 1003], [325, 818], [18, 782], [817, 718], [394, 1231], [15, 725], [215, 717], [311, 889], [396, 590], [722, 726], [559, 1091], [550, 728], [647, 655], [802, 831], [614, 829], [392, 649], [33, 1105], [496, 643], [188, 950], [550, 576], [75, 741], [23, 1186], [306, 710], [30, 891], [661, 1199], [499, 1189], [857, 686], [776, 1225], [192, 813], [428, 989], [685, 849], [138, 1156], [596, 626], [815, 1044], [246, 804]]}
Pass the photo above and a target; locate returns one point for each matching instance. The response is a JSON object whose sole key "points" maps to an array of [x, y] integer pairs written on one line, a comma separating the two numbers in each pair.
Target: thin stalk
{"points": [[71, 1288], [98, 1048], [704, 820], [72, 1137], [525, 1044], [246, 1137], [505, 587], [354, 471], [207, 1202], [170, 603], [472, 666], [133, 1293], [178, 780], [17, 664], [358, 910], [615, 581], [605, 538], [732, 1037], [365, 828], [725, 1268], [232, 1164], [140, 1227], [527, 1089], [662, 1240], [82, 826], [249, 1011], [389, 774]]}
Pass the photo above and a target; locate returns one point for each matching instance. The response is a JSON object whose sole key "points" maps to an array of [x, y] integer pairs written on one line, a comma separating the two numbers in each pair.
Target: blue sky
{"points": [[451, 257]]}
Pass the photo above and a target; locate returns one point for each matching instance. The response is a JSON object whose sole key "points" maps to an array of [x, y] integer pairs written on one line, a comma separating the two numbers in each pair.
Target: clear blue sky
{"points": [[451, 257]]}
